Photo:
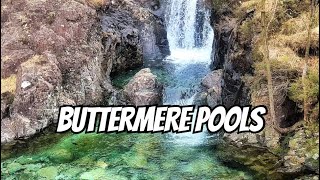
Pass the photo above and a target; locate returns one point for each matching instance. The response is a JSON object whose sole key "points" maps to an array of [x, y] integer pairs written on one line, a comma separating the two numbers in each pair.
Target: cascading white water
{"points": [[189, 32], [190, 39]]}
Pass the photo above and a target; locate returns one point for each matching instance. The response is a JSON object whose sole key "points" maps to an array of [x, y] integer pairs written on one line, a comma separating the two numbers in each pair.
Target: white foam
{"points": [[190, 56]]}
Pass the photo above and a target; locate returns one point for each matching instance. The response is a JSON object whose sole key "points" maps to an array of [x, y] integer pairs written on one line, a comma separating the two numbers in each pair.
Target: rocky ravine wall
{"points": [[269, 154], [56, 53]]}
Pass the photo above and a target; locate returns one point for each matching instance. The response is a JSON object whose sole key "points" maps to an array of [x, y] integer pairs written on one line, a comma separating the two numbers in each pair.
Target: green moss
{"points": [[219, 4], [257, 160], [246, 31]]}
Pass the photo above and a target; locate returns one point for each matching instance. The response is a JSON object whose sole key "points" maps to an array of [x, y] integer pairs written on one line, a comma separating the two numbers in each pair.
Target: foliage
{"points": [[246, 31], [298, 40], [312, 82]]}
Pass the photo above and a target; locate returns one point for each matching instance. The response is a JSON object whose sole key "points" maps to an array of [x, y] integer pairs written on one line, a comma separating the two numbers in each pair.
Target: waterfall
{"points": [[190, 39], [189, 32]]}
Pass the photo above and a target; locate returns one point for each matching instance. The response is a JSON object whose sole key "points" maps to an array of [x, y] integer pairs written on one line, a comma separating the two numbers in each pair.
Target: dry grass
{"points": [[295, 25], [287, 35], [37, 59], [298, 41], [137, 11], [9, 84], [5, 58], [98, 3], [256, 4]]}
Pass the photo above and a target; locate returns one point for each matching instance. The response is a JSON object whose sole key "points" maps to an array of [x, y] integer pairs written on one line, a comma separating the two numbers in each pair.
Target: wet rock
{"points": [[6, 101], [121, 40], [214, 82], [144, 89], [149, 19], [243, 138], [259, 160], [268, 138], [34, 104], [213, 78], [303, 153]]}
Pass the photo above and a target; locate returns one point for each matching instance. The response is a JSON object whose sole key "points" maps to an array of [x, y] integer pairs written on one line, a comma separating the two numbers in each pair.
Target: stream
{"points": [[140, 156]]}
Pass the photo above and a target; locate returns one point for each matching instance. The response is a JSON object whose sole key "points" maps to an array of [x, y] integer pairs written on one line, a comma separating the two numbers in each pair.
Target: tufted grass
{"points": [[8, 84]]}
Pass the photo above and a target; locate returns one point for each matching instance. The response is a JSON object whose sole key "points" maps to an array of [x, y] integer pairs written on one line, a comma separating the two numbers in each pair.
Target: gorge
{"points": [[139, 52]]}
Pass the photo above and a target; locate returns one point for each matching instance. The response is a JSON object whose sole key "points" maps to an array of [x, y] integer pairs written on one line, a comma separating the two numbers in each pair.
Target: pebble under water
{"points": [[120, 156]]}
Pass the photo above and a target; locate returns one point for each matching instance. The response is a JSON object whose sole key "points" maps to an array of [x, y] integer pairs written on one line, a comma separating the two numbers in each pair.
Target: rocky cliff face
{"points": [[237, 54], [57, 52], [53, 51]]}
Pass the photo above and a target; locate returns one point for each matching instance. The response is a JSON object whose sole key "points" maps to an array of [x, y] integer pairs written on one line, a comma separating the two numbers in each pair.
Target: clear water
{"points": [[138, 156], [119, 156]]}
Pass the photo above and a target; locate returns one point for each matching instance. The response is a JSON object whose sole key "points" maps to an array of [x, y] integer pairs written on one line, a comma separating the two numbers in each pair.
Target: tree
{"points": [[305, 68], [266, 59]]}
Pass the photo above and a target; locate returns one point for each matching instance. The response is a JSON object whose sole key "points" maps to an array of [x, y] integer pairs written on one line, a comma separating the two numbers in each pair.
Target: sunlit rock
{"points": [[144, 89]]}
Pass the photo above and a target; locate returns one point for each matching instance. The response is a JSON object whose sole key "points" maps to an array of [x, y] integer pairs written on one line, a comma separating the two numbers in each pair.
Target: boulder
{"points": [[213, 83], [34, 104], [303, 152], [144, 89]]}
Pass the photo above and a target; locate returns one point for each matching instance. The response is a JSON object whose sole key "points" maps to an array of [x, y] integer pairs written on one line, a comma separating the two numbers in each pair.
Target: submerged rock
{"points": [[144, 89], [14, 167], [99, 173], [61, 156], [48, 172]]}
